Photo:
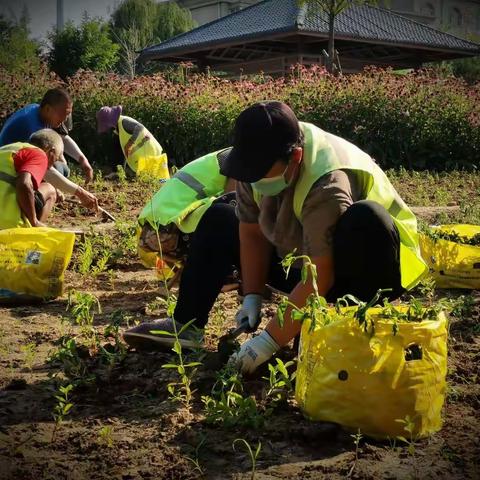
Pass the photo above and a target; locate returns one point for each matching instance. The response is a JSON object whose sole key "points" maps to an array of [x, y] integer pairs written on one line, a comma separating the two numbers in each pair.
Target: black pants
{"points": [[366, 249]]}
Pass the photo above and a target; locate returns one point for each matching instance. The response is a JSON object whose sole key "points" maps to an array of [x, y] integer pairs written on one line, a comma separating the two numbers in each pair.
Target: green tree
{"points": [[86, 46], [136, 24], [18, 52], [332, 8]]}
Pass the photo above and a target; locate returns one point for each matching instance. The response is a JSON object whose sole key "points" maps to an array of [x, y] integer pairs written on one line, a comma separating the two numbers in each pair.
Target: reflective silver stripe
{"points": [[191, 182], [395, 208], [5, 177]]}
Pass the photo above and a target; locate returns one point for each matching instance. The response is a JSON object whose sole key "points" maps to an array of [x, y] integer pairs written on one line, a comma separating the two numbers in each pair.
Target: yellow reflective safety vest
{"points": [[184, 198], [11, 216], [320, 158], [146, 154]]}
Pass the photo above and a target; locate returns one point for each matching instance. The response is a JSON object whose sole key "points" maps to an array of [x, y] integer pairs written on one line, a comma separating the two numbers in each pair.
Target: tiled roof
{"points": [[363, 23]]}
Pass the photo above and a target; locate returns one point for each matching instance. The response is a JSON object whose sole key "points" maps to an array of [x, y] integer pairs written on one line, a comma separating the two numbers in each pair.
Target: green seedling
{"points": [[62, 408], [85, 259], [196, 461], [253, 455], [29, 350], [105, 436], [281, 383], [121, 200], [357, 437], [180, 391], [72, 364], [113, 354], [427, 288], [80, 305], [217, 318], [98, 252], [410, 439], [227, 404], [122, 176]]}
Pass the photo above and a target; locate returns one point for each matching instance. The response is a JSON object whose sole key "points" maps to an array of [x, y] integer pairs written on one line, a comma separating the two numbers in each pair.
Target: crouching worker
{"points": [[54, 111], [25, 197], [299, 187], [143, 154], [193, 217]]}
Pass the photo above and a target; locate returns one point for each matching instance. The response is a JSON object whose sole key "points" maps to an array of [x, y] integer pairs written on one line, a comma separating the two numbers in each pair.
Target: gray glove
{"points": [[251, 310]]}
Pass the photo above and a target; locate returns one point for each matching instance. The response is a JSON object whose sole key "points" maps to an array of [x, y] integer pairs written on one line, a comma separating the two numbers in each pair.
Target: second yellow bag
{"points": [[452, 264], [374, 382], [32, 263]]}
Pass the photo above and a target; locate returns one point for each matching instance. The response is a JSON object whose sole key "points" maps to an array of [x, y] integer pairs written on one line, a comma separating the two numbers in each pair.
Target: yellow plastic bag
{"points": [[373, 382], [451, 264], [155, 166], [32, 263]]}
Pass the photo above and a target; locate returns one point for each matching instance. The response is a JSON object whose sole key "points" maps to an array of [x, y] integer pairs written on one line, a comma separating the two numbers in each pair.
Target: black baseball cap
{"points": [[263, 134]]}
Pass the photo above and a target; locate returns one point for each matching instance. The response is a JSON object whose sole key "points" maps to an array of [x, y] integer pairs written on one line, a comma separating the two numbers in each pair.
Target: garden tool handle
{"points": [[242, 328]]}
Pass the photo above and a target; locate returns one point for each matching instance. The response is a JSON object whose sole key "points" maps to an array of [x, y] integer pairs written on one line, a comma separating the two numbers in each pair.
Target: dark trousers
{"points": [[366, 249]]}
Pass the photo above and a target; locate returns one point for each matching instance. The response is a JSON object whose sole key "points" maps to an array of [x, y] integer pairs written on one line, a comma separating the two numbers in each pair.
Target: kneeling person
{"points": [[301, 188], [193, 217]]}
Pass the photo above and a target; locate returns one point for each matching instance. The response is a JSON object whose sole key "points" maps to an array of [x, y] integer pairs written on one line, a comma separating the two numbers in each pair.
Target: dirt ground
{"points": [[123, 425]]}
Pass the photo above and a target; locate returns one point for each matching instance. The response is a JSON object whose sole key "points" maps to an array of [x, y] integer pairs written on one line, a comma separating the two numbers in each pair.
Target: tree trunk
{"points": [[331, 37]]}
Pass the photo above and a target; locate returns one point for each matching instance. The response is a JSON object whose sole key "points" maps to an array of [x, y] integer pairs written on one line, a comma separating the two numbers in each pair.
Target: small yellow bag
{"points": [[451, 264], [372, 383], [155, 166], [32, 263]]}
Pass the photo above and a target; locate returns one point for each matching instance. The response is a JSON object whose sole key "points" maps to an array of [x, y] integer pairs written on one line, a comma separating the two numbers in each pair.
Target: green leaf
{"points": [[169, 365], [304, 274], [177, 347], [193, 364], [186, 326], [162, 332], [281, 368]]}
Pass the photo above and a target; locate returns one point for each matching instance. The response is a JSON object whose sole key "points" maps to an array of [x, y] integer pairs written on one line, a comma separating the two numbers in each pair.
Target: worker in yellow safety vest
{"points": [[143, 154], [302, 189], [25, 196], [299, 187], [191, 223]]}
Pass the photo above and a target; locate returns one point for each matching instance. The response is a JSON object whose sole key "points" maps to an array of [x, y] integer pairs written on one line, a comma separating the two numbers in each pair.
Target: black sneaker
{"points": [[147, 336]]}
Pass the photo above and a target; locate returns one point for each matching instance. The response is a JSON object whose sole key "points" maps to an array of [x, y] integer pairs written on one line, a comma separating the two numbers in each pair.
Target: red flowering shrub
{"points": [[413, 120]]}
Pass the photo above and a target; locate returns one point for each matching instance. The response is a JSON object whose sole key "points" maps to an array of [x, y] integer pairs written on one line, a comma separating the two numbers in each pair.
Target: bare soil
{"points": [[154, 438]]}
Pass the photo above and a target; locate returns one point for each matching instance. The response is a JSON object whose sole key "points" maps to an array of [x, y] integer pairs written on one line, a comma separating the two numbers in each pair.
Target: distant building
{"points": [[459, 17], [272, 36], [204, 11]]}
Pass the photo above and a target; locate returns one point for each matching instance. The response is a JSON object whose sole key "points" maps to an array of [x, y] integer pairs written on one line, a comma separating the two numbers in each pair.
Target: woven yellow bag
{"points": [[452, 264], [374, 382], [33, 262]]}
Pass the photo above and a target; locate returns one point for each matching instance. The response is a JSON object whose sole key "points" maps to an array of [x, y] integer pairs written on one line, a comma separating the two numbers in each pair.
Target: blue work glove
{"points": [[251, 310], [254, 352]]}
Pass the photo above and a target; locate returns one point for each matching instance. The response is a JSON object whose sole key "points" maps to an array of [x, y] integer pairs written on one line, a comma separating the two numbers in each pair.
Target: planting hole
{"points": [[413, 352]]}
